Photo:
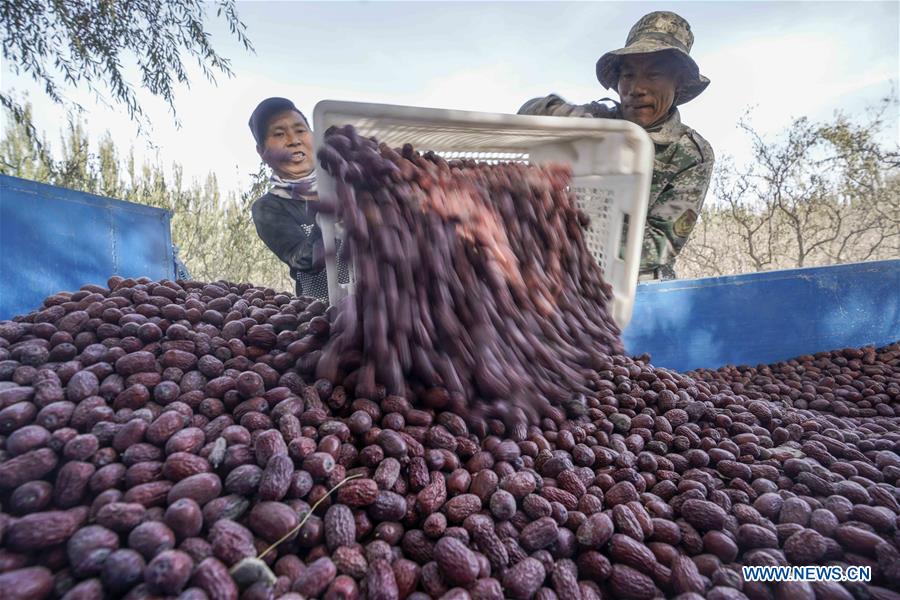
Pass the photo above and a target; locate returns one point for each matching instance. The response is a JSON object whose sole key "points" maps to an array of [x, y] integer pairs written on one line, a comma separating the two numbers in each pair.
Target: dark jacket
{"points": [[288, 227]]}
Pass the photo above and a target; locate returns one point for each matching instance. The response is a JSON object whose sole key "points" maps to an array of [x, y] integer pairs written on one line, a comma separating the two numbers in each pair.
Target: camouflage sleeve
{"points": [[554, 106], [672, 217]]}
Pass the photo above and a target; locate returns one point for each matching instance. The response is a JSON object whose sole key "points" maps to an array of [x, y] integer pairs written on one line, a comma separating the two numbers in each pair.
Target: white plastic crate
{"points": [[611, 160]]}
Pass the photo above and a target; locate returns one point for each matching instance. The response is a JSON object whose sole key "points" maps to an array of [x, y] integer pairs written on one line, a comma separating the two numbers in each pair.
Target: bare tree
{"points": [[818, 194]]}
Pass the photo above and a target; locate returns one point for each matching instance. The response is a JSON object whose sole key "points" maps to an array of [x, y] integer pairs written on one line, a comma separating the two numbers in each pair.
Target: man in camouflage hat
{"points": [[653, 74]]}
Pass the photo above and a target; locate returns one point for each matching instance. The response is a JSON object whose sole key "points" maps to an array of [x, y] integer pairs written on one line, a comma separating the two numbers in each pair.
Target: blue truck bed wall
{"points": [[765, 317], [54, 239]]}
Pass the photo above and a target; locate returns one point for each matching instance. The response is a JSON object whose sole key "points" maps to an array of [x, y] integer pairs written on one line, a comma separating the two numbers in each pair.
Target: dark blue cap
{"points": [[264, 112]]}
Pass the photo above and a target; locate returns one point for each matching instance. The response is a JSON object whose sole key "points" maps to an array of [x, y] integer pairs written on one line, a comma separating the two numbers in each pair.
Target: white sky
{"points": [[784, 59]]}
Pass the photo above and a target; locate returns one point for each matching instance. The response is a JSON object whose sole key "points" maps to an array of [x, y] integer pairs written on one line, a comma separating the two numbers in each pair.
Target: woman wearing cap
{"points": [[653, 75], [285, 217]]}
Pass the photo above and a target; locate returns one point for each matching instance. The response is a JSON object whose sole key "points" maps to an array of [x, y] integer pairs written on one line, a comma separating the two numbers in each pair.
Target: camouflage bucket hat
{"points": [[660, 31]]}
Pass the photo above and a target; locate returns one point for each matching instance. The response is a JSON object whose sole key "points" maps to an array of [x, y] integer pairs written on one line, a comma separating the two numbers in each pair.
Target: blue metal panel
{"points": [[765, 317], [54, 239]]}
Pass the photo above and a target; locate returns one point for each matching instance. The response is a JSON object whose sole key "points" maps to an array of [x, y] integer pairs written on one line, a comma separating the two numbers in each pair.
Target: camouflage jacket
{"points": [[682, 170]]}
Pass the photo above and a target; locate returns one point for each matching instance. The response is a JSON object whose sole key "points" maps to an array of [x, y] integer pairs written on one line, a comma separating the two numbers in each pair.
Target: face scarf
{"points": [[295, 189]]}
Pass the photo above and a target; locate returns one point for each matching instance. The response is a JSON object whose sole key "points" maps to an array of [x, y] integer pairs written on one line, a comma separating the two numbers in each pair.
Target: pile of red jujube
{"points": [[215, 440], [472, 278]]}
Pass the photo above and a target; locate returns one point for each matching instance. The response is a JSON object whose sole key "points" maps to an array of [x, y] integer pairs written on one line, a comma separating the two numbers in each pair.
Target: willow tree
{"points": [[65, 45]]}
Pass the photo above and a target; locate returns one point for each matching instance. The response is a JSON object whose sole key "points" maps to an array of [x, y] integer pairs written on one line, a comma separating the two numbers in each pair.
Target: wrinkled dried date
{"points": [[188, 426]]}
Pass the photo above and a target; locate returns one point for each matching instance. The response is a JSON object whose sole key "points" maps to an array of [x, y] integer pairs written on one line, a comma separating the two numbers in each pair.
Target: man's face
{"points": [[647, 87], [288, 146]]}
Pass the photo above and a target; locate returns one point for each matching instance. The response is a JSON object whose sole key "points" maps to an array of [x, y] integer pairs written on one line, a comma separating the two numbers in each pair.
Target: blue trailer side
{"points": [[54, 239], [765, 317]]}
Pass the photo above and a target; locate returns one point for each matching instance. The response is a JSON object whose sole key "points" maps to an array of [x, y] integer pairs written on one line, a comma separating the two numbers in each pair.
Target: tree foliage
{"points": [[818, 194], [62, 44], [213, 231]]}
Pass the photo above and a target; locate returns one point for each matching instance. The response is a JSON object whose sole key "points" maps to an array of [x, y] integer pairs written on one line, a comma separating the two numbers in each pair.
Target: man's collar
{"points": [[669, 131]]}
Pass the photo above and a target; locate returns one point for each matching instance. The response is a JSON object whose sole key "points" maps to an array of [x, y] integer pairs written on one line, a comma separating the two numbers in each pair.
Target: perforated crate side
{"points": [[596, 202], [612, 161]]}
